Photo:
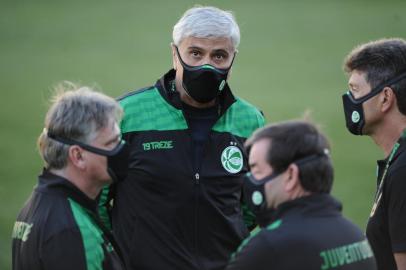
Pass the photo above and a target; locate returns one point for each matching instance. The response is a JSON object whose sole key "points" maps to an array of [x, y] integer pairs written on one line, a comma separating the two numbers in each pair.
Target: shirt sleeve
{"points": [[64, 251], [396, 207], [253, 254]]}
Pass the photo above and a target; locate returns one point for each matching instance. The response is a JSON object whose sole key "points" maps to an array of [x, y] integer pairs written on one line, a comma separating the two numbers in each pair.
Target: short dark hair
{"points": [[381, 60], [295, 140]]}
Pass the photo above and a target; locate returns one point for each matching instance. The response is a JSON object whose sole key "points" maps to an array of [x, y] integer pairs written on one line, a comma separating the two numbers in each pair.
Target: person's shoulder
{"points": [[350, 232], [258, 247], [141, 102], [400, 161], [270, 232], [148, 110], [241, 119], [247, 108], [271, 235], [45, 202], [137, 94], [58, 213], [397, 170], [52, 215]]}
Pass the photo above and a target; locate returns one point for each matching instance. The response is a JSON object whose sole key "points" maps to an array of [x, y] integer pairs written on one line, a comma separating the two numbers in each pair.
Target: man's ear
{"points": [[75, 154], [291, 179], [388, 99]]}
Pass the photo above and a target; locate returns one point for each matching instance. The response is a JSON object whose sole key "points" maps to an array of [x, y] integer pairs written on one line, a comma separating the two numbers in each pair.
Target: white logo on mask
{"points": [[355, 117]]}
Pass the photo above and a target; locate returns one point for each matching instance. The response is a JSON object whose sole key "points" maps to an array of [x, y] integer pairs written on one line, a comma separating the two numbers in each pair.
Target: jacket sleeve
{"points": [[64, 251], [253, 253]]}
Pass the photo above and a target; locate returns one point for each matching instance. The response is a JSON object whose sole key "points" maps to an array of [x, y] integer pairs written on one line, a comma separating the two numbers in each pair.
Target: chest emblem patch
{"points": [[232, 160]]}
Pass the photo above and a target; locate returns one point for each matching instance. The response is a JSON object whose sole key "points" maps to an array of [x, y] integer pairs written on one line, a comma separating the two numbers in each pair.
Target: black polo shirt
{"points": [[386, 229], [58, 228], [200, 122], [307, 233]]}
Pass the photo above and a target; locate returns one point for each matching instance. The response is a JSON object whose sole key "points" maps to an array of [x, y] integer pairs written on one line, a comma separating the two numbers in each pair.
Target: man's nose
{"points": [[207, 60]]}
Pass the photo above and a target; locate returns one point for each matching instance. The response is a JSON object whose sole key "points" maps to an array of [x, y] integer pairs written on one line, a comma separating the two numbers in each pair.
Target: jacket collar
{"points": [[49, 182], [402, 141], [169, 93], [309, 205], [402, 146]]}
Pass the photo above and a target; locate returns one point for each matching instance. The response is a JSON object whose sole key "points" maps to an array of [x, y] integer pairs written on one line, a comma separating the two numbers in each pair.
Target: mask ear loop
{"points": [[87, 147], [325, 153], [180, 58], [232, 61], [379, 88], [264, 180]]}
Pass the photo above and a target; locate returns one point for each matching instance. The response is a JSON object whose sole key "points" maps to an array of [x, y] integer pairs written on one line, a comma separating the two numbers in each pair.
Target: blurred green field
{"points": [[289, 61]]}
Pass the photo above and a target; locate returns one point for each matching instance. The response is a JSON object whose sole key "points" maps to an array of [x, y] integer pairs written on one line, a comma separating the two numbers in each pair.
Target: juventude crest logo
{"points": [[231, 158]]}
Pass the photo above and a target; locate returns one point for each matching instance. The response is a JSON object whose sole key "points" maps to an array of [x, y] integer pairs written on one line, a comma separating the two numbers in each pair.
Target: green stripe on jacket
{"points": [[148, 110], [91, 237]]}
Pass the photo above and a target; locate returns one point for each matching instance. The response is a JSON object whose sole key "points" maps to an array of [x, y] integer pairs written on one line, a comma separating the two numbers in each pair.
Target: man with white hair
{"points": [[59, 226], [179, 207]]}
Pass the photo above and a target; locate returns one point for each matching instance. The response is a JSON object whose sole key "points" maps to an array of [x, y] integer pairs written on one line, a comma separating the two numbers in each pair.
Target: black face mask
{"points": [[117, 158], [353, 110], [254, 192], [203, 83]]}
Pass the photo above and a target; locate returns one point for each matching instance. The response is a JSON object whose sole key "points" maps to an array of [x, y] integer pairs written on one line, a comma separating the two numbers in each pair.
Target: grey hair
{"points": [[206, 22], [78, 113]]}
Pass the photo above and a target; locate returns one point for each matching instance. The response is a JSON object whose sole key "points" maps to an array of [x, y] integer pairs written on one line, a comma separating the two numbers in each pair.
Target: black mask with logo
{"points": [[203, 83], [254, 190], [117, 158], [353, 110]]}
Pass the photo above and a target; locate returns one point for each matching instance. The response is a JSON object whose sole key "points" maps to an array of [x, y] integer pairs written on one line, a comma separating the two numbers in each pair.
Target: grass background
{"points": [[289, 61]]}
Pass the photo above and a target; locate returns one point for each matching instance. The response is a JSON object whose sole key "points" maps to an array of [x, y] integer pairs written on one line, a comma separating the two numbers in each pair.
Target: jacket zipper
{"points": [[196, 221], [197, 194], [197, 188], [196, 180]]}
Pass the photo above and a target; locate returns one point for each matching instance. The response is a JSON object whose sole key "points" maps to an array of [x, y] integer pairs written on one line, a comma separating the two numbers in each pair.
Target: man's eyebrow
{"points": [[220, 51], [195, 48]]}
